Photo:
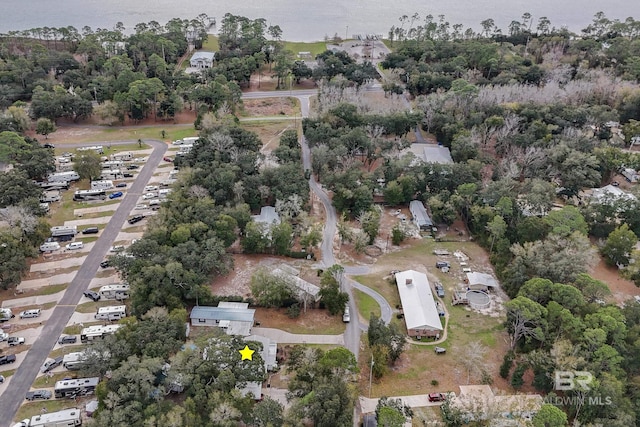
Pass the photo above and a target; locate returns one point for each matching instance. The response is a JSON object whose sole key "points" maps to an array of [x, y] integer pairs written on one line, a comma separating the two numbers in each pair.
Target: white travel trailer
{"points": [[114, 312], [111, 174], [50, 196], [63, 176], [112, 164], [105, 184], [64, 418], [117, 291], [73, 361], [97, 148], [97, 332], [126, 155], [64, 230]]}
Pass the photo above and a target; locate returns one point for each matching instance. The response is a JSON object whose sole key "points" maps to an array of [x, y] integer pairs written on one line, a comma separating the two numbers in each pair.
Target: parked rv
{"points": [[126, 155], [64, 230], [118, 291], [115, 312], [102, 185], [49, 247], [63, 177], [64, 418]]}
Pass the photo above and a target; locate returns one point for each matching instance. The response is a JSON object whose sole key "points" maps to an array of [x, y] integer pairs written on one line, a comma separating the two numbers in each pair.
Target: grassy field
{"points": [[366, 305], [314, 321], [8, 373], [76, 329], [92, 307], [315, 48], [269, 132], [48, 290], [211, 44]]}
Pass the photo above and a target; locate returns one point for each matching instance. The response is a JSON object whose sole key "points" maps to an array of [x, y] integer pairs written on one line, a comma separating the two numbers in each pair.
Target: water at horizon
{"points": [[306, 20]]}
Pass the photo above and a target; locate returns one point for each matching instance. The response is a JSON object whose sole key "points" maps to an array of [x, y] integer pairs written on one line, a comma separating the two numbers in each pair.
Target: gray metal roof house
{"points": [[268, 215], [420, 216], [202, 59], [234, 320]]}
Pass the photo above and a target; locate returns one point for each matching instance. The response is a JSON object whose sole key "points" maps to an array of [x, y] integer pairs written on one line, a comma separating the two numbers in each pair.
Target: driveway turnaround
{"points": [[25, 375]]}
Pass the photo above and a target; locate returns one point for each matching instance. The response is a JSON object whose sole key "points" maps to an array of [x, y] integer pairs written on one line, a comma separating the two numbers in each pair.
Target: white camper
{"points": [[64, 418], [63, 177], [126, 155], [114, 312], [117, 291], [104, 184]]}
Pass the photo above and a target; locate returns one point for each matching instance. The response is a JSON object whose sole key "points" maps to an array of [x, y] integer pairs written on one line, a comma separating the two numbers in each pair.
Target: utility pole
{"points": [[370, 375], [346, 33]]}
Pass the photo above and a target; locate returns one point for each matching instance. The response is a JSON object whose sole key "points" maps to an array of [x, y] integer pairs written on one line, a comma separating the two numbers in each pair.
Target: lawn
{"points": [[8, 373], [44, 381], [315, 48], [65, 350], [76, 329], [31, 409], [211, 44], [314, 321], [92, 307], [366, 305], [48, 290], [86, 240]]}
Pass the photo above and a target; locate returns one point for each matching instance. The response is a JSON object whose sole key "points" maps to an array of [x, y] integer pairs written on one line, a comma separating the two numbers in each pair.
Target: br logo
{"points": [[573, 380]]}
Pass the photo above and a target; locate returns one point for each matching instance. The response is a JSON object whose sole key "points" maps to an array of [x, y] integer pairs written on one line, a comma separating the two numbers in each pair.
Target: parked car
{"points": [[167, 159], [12, 341], [149, 196], [38, 394], [116, 248], [1, 379], [141, 206], [346, 316], [136, 218], [23, 423], [30, 313], [132, 167], [440, 350], [92, 295], [149, 188], [74, 245], [439, 290], [116, 195], [67, 339], [50, 364], [10, 358], [436, 397], [441, 264], [91, 230], [127, 175], [105, 263], [121, 185], [3, 336], [49, 146]]}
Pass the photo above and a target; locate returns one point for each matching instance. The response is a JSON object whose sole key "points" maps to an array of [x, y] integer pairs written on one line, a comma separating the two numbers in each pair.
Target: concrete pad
{"points": [[56, 265], [88, 221], [34, 300], [129, 236], [282, 337], [414, 401], [277, 394], [77, 317], [96, 282], [45, 281], [94, 209]]}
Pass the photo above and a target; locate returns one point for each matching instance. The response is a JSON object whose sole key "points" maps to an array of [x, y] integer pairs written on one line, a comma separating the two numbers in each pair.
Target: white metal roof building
{"points": [[420, 312], [420, 215], [268, 215], [303, 288], [482, 280], [431, 153], [610, 192]]}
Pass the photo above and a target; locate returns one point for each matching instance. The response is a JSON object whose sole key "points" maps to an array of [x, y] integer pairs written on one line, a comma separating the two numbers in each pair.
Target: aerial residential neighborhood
{"points": [[202, 224]]}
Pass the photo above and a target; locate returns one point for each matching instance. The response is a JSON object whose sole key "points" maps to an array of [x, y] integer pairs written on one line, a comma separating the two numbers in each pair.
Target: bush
{"points": [[434, 383], [516, 380], [293, 311], [507, 363], [301, 255]]}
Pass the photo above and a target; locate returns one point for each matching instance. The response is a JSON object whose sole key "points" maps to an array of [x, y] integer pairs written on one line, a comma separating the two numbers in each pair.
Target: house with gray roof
{"points": [[431, 153], [202, 59], [268, 215], [233, 318]]}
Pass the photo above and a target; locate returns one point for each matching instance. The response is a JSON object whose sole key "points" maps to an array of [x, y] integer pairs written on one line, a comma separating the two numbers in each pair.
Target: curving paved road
{"points": [[24, 376], [354, 328]]}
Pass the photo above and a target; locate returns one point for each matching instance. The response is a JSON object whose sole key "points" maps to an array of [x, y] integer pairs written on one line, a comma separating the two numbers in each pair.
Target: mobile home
{"points": [[63, 176], [96, 194], [64, 418], [102, 185], [75, 387], [117, 291], [114, 312]]}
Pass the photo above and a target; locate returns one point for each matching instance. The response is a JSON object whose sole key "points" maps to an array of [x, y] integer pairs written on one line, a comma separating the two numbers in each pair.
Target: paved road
{"points": [[29, 368]]}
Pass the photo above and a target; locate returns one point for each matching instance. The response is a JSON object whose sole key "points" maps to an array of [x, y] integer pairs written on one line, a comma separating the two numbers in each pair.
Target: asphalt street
{"points": [[22, 379]]}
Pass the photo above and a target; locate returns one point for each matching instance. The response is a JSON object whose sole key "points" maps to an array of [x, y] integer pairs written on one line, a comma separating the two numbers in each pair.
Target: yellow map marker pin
{"points": [[247, 353]]}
